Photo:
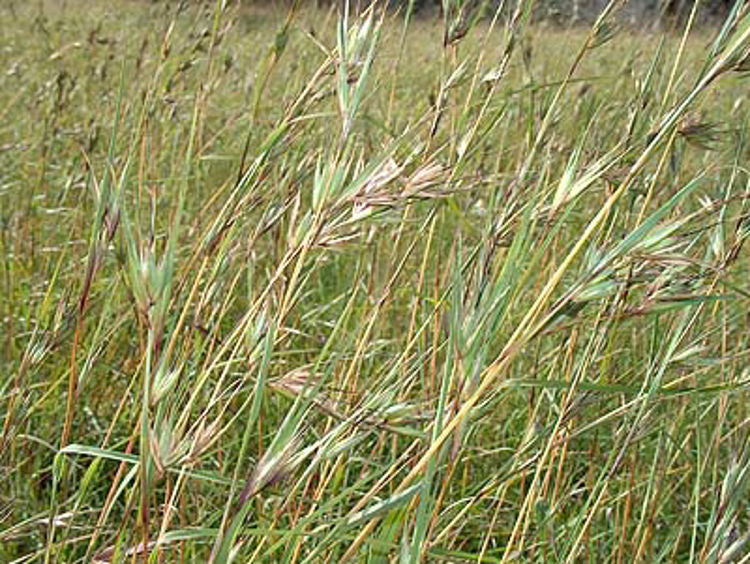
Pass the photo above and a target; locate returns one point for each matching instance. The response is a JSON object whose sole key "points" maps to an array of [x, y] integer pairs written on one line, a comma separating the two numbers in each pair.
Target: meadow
{"points": [[294, 285]]}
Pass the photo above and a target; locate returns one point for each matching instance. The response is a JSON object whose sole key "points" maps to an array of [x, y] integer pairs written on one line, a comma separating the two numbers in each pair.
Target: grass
{"points": [[285, 285]]}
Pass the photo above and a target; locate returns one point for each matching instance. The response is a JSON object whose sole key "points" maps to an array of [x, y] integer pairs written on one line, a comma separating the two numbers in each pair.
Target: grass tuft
{"points": [[300, 285]]}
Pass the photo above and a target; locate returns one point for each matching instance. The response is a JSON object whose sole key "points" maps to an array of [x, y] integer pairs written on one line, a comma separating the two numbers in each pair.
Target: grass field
{"points": [[299, 286]]}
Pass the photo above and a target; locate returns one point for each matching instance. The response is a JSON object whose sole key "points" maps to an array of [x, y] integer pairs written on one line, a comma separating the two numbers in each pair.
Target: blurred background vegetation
{"points": [[650, 12]]}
